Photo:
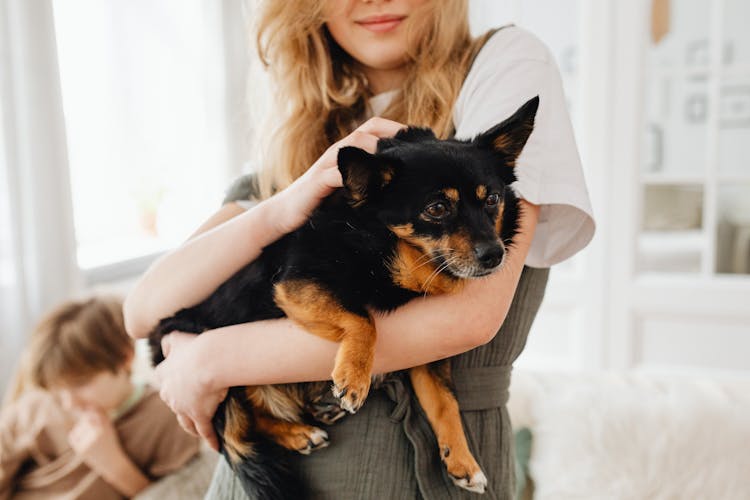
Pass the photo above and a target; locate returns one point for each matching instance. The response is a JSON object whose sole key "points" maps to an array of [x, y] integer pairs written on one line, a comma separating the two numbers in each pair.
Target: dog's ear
{"points": [[362, 173], [510, 136]]}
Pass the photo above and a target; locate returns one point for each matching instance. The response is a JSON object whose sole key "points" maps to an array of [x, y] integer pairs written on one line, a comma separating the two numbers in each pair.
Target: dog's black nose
{"points": [[489, 255]]}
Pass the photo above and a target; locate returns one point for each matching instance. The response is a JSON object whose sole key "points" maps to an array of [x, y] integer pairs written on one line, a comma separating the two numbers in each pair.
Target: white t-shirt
{"points": [[511, 68]]}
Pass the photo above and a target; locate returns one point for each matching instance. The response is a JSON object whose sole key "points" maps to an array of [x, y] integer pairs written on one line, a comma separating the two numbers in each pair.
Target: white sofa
{"points": [[635, 435]]}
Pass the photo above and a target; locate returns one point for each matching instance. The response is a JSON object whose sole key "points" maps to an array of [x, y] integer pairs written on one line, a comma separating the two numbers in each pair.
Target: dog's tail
{"points": [[262, 466]]}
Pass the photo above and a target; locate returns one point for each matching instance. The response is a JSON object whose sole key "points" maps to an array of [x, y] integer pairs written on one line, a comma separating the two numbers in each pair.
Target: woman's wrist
{"points": [[209, 375], [273, 214]]}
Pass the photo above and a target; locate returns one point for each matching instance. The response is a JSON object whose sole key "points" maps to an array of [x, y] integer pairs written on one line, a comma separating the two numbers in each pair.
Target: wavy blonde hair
{"points": [[320, 93]]}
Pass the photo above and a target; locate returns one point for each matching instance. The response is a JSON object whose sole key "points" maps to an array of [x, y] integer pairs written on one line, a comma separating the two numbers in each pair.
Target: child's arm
{"points": [[14, 449], [94, 439]]}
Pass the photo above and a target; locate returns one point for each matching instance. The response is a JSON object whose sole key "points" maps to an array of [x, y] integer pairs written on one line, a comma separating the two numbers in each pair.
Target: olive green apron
{"points": [[388, 450]]}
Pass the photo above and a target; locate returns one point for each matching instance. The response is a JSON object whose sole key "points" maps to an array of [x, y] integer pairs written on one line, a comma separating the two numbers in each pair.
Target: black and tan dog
{"points": [[420, 216]]}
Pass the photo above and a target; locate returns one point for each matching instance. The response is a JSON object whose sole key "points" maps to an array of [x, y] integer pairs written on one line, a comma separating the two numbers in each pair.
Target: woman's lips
{"points": [[381, 24]]}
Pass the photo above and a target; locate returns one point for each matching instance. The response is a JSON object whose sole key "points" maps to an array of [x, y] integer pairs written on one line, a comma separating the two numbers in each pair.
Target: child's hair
{"points": [[73, 342], [320, 91]]}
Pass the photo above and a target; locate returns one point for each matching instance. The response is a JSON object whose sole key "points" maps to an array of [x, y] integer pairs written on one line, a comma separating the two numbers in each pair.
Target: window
{"points": [[142, 88], [695, 173]]}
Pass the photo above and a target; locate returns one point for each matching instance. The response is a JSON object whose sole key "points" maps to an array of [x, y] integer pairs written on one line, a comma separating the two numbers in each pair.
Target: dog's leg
{"points": [[432, 385], [272, 411], [293, 436], [318, 311]]}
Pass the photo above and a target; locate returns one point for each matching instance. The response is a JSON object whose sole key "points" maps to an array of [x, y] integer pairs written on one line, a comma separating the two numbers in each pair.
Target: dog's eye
{"points": [[436, 210], [492, 199]]}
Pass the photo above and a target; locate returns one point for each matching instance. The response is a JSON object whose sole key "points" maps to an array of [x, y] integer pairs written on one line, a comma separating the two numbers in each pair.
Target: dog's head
{"points": [[448, 199]]}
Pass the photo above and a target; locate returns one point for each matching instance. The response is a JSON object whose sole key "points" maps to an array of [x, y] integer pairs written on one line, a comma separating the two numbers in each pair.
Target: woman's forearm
{"points": [[190, 273]]}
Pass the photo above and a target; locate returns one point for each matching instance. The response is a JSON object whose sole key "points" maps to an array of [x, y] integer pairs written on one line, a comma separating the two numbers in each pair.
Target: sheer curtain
{"points": [[37, 243], [38, 254]]}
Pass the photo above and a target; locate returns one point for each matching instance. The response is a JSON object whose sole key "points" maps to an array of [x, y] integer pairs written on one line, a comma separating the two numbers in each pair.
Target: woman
{"points": [[333, 65]]}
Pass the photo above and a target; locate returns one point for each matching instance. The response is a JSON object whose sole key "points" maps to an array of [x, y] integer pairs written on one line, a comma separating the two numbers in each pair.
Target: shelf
{"points": [[670, 179], [735, 70], [670, 251], [669, 242]]}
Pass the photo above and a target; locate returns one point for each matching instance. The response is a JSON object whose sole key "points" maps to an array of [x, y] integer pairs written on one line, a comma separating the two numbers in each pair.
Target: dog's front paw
{"points": [[351, 387], [464, 471]]}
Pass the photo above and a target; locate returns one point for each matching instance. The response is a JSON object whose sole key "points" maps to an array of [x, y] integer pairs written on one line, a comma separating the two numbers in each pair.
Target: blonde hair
{"points": [[320, 93], [73, 342]]}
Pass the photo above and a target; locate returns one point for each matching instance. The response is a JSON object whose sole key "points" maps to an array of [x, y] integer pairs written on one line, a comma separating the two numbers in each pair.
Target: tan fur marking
{"points": [[235, 432], [412, 270], [503, 142], [441, 409], [317, 310], [281, 401], [499, 220], [459, 243], [387, 176], [403, 231], [481, 192], [451, 194]]}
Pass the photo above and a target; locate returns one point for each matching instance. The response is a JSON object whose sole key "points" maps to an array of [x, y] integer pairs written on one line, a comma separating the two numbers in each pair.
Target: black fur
{"points": [[347, 246]]}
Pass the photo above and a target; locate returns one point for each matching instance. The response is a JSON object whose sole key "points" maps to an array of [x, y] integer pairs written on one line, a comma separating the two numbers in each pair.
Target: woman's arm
{"points": [[278, 351], [188, 275], [230, 240]]}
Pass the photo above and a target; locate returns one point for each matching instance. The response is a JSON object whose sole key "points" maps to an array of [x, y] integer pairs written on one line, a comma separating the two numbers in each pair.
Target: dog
{"points": [[420, 216]]}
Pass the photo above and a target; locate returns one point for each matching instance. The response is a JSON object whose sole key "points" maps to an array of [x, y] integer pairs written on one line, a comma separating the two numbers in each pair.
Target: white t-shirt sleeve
{"points": [[511, 68]]}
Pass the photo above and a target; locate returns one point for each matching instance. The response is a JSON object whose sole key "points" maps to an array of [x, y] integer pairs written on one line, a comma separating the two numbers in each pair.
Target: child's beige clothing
{"points": [[36, 461]]}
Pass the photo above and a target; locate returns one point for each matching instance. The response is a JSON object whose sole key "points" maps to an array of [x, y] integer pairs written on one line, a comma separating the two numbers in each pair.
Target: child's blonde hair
{"points": [[72, 343]]}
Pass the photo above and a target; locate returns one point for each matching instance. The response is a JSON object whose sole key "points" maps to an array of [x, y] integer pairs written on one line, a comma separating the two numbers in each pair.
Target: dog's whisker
{"points": [[448, 262], [433, 259]]}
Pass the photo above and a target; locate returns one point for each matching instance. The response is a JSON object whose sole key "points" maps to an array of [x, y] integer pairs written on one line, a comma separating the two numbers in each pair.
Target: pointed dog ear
{"points": [[510, 136], [362, 173]]}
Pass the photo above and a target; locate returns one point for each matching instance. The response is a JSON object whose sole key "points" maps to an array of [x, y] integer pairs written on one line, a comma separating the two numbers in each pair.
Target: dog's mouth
{"points": [[461, 267]]}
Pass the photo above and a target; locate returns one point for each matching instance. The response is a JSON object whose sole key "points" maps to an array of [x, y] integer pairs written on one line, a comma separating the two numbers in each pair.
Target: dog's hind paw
{"points": [[316, 439], [476, 483]]}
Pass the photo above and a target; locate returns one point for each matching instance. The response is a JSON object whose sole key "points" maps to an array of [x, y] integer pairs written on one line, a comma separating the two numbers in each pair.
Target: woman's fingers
{"points": [[380, 127], [187, 424], [174, 340], [357, 139], [206, 431], [165, 347]]}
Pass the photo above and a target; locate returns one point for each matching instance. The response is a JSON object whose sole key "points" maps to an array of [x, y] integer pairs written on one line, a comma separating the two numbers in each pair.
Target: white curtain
{"points": [[38, 267], [37, 243]]}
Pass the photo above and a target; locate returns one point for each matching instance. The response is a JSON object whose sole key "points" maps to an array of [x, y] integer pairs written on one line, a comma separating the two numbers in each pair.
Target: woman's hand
{"points": [[297, 202], [185, 388]]}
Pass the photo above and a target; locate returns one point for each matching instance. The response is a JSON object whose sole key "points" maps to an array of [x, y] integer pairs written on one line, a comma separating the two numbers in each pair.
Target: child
{"points": [[76, 426]]}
